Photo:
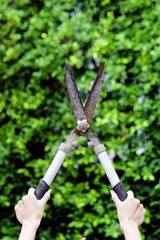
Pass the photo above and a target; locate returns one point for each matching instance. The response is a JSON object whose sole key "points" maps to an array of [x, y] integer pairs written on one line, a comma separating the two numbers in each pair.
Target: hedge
{"points": [[36, 38]]}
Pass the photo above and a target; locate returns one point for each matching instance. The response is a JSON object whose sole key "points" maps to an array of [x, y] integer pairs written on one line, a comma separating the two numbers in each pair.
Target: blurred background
{"points": [[36, 38]]}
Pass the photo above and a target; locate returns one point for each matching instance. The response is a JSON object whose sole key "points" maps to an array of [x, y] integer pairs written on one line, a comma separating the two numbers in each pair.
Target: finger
{"points": [[15, 208], [137, 204], [24, 199], [46, 197], [142, 216], [136, 207], [130, 193], [31, 191], [18, 212], [115, 198], [141, 221], [19, 203], [141, 207]]}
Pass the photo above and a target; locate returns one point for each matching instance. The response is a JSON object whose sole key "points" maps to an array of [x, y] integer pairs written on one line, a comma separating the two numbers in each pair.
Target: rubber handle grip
{"points": [[120, 191], [41, 189]]}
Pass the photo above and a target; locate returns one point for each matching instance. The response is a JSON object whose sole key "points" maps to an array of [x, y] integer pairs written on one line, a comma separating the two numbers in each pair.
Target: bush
{"points": [[35, 113]]}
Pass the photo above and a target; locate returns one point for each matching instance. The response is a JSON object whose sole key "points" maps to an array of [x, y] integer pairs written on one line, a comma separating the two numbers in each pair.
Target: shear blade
{"points": [[81, 113], [93, 96], [76, 102]]}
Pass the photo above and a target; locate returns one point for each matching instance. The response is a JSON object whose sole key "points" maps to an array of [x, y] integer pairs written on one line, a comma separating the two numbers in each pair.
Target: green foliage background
{"points": [[36, 38]]}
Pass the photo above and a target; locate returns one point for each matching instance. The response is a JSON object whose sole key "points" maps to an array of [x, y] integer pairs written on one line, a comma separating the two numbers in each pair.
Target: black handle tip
{"points": [[41, 189], [120, 191]]}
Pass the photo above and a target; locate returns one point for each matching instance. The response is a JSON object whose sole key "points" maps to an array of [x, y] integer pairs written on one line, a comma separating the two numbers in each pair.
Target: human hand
{"points": [[130, 212], [30, 209]]}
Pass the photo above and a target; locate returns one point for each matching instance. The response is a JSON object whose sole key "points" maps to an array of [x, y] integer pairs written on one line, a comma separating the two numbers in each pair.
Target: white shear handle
{"points": [[52, 171], [113, 178]]}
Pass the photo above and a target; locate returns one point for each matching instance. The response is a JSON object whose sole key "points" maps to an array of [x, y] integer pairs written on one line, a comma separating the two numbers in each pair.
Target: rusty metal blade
{"points": [[93, 96], [75, 99]]}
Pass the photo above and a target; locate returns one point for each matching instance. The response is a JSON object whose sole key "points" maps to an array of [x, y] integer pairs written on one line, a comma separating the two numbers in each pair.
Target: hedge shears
{"points": [[83, 116]]}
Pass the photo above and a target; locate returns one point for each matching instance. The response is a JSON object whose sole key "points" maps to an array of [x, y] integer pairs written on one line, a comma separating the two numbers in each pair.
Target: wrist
{"points": [[31, 225], [126, 225], [131, 231], [28, 231]]}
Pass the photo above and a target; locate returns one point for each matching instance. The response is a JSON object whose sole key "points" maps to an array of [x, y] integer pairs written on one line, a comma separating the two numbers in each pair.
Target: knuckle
{"points": [[141, 205], [137, 201], [23, 198]]}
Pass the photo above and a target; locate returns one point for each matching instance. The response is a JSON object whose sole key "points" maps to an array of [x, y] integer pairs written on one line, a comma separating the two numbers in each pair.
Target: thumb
{"points": [[31, 191], [115, 198], [46, 197]]}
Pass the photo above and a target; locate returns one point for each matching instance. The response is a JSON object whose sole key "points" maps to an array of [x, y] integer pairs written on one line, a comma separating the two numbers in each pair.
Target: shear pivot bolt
{"points": [[74, 144], [82, 125], [90, 144]]}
